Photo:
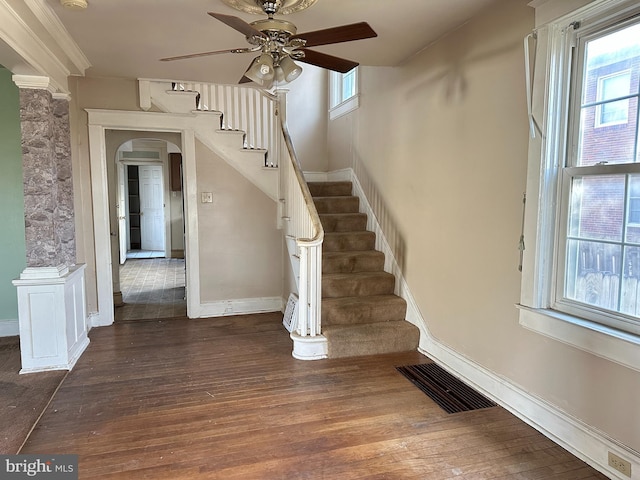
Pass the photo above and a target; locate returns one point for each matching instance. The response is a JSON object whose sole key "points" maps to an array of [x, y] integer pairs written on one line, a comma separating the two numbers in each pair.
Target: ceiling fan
{"points": [[278, 42]]}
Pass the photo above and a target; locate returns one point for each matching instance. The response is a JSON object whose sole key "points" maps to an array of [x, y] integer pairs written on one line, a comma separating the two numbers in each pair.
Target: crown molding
{"points": [[60, 34], [32, 50], [33, 82]]}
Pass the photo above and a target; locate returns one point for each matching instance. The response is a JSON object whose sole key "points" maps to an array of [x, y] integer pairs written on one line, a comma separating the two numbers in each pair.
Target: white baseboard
{"points": [[242, 306], [94, 319], [9, 328], [582, 440]]}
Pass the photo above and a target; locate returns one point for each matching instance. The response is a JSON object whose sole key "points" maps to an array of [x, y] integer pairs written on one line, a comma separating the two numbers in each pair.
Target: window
{"points": [[344, 93], [581, 270], [598, 267], [612, 110]]}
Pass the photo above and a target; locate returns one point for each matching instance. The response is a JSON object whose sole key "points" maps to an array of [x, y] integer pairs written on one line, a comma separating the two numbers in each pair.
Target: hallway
{"points": [[152, 288]]}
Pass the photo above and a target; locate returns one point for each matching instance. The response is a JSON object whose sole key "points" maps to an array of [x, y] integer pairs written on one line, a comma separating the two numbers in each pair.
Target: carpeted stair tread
{"points": [[354, 284], [346, 241], [352, 261], [363, 309], [343, 222], [371, 339], [337, 204], [327, 189]]}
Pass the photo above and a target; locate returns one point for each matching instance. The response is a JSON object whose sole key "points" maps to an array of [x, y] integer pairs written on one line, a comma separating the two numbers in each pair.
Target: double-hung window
{"points": [[598, 261], [585, 267]]}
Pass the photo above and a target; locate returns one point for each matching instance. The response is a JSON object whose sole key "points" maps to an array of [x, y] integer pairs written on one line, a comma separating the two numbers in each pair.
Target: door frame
{"points": [[98, 122]]}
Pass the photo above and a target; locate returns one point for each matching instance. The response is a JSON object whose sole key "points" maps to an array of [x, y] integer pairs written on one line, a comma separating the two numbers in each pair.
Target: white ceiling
{"points": [[126, 38]]}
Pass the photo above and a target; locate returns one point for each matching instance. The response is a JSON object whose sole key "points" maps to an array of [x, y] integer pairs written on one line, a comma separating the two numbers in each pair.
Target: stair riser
{"points": [[346, 222], [336, 314], [328, 189], [354, 242], [353, 263], [337, 204], [357, 286], [371, 339]]}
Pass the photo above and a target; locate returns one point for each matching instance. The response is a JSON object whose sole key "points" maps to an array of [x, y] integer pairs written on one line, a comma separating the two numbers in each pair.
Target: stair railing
{"points": [[302, 224], [247, 109]]}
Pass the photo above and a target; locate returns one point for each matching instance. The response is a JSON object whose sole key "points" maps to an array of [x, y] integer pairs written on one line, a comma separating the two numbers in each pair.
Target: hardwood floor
{"points": [[224, 399]]}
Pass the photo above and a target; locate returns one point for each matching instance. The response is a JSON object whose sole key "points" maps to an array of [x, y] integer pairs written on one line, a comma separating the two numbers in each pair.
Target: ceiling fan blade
{"points": [[205, 54], [330, 62], [237, 24], [345, 33]]}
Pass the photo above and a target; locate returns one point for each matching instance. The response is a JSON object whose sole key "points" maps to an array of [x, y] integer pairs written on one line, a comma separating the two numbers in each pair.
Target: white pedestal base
{"points": [[52, 317], [309, 348]]}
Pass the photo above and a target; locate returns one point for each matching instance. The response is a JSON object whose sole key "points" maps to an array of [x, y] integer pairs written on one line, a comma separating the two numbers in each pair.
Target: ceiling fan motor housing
{"points": [[270, 7]]}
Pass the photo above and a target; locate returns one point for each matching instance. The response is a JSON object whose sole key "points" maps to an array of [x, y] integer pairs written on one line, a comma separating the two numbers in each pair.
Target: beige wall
{"points": [[440, 145], [240, 246], [307, 118]]}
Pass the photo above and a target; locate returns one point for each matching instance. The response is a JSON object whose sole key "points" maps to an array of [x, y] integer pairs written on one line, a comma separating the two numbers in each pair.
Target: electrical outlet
{"points": [[207, 197], [620, 464]]}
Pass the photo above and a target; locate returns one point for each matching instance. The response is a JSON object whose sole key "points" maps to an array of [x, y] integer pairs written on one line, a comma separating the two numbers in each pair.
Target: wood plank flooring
{"points": [[224, 399]]}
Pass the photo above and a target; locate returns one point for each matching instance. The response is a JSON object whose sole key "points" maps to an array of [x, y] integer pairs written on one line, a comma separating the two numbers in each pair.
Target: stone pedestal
{"points": [[53, 321]]}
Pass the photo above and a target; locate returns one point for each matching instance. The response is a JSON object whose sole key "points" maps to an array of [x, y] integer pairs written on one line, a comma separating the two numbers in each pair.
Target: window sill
{"points": [[605, 342], [345, 107]]}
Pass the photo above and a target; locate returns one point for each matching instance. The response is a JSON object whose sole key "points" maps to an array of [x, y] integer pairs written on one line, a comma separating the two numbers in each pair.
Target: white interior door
{"points": [[151, 208], [122, 212]]}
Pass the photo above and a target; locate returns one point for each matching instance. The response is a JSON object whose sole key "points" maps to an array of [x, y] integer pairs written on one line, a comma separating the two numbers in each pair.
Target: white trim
{"points": [[101, 227], [99, 121], [9, 328], [583, 441], [308, 347], [239, 306], [345, 107], [32, 50], [60, 34], [33, 82], [595, 338], [93, 319]]}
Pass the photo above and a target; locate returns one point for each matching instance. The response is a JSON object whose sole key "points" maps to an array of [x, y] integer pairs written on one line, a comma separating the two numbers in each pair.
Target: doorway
{"points": [[143, 235], [151, 277]]}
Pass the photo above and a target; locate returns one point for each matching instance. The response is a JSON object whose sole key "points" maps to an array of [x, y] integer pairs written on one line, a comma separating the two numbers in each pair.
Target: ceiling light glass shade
{"points": [[74, 4], [261, 70], [290, 69]]}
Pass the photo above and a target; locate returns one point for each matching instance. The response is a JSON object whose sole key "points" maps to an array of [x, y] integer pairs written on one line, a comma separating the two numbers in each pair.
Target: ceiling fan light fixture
{"points": [[290, 69], [74, 4], [261, 70]]}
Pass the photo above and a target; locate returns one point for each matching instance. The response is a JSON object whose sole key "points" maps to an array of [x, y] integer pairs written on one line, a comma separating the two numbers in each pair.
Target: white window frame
{"points": [[551, 103], [598, 114], [340, 104]]}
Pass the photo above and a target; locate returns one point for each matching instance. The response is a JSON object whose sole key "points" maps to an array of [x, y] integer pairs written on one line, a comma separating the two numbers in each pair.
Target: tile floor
{"points": [[152, 288], [145, 254]]}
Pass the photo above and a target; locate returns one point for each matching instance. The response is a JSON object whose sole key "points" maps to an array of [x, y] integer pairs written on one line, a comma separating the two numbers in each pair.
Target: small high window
{"points": [[344, 93]]}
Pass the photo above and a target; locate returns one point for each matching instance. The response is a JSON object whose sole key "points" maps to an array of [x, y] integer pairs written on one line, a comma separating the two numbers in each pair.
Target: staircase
{"points": [[360, 313]]}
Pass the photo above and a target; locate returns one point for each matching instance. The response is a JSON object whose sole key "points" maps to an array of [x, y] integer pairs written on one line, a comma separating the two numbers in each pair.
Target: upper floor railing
{"points": [[244, 108]]}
